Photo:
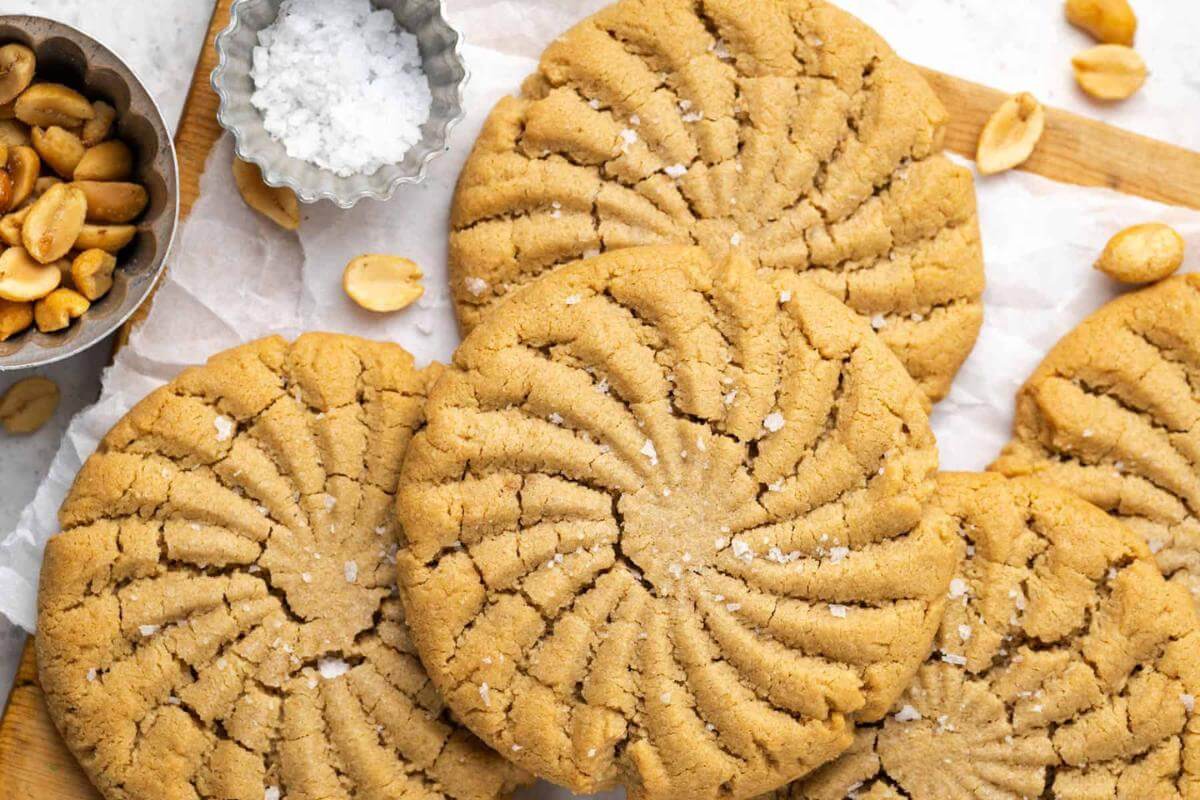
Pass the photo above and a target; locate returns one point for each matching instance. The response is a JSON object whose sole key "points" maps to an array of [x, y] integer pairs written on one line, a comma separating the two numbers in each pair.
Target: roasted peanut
{"points": [[1108, 21], [92, 272], [22, 279], [14, 133], [59, 148], [107, 161], [113, 202], [382, 282], [55, 311], [1011, 134], [278, 204], [1109, 71], [1142, 254], [6, 191], [10, 227], [54, 222], [17, 65], [109, 238], [14, 318], [23, 166], [99, 127], [28, 404], [46, 104]]}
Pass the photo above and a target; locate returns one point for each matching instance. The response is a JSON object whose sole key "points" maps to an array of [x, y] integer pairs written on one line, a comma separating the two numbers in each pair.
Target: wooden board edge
{"points": [[28, 737], [1076, 149]]}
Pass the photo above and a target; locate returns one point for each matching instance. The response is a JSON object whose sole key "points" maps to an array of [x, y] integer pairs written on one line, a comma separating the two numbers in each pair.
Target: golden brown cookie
{"points": [[785, 130], [1113, 413], [665, 527], [218, 618], [1066, 668]]}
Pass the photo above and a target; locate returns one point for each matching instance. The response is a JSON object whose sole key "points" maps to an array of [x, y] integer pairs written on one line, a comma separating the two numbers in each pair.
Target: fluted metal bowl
{"points": [[69, 56], [443, 64]]}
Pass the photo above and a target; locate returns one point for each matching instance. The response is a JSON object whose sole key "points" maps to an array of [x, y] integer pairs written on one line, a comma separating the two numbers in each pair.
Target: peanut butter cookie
{"points": [[218, 618], [1113, 414], [666, 527], [785, 130], [1066, 667]]}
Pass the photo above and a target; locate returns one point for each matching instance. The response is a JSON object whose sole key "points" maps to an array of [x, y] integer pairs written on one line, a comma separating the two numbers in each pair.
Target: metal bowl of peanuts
{"points": [[89, 192]]}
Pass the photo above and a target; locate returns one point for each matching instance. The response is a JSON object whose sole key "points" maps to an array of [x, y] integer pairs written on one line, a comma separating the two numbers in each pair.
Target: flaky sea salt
{"points": [[907, 714], [224, 426], [773, 422], [331, 668], [340, 85], [350, 570]]}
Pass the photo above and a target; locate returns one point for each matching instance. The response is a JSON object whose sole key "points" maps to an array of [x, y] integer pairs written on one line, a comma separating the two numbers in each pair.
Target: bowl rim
{"points": [[74, 348], [275, 178]]}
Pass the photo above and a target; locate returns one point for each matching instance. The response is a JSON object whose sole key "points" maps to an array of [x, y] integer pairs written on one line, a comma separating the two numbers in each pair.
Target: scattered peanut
{"points": [[55, 311], [59, 148], [14, 133], [109, 238], [54, 222], [28, 404], [17, 64], [92, 272], [107, 161], [23, 167], [1109, 71], [1011, 134], [46, 104], [99, 127], [1142, 254], [278, 204], [382, 282], [6, 191], [14, 318], [22, 279], [112, 201], [1108, 21]]}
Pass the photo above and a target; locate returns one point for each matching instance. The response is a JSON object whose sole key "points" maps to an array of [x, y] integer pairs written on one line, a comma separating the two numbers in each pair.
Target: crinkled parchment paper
{"points": [[234, 277]]}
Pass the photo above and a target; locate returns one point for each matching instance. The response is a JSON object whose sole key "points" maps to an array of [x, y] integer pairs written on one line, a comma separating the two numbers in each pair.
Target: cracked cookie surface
{"points": [[665, 527], [783, 129], [1065, 668], [1113, 414], [218, 617]]}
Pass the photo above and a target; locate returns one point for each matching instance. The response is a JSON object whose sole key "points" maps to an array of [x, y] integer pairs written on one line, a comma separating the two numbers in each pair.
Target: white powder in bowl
{"points": [[340, 85]]}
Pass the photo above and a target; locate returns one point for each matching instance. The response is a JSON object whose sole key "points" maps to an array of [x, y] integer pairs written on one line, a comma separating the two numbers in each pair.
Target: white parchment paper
{"points": [[235, 277]]}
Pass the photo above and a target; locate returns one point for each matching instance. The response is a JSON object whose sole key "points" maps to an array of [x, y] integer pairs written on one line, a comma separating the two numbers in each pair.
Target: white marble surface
{"points": [[160, 40], [1017, 45]]}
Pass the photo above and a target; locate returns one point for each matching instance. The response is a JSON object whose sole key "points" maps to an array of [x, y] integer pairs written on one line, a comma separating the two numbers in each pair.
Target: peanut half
{"points": [[113, 202], [14, 318], [109, 238], [1109, 71], [382, 283], [28, 404], [55, 311], [1011, 134], [54, 222], [278, 204], [92, 272], [17, 65], [23, 167], [1108, 21], [10, 227], [107, 161], [23, 280], [14, 133], [59, 148], [1142, 254], [99, 127], [46, 104]]}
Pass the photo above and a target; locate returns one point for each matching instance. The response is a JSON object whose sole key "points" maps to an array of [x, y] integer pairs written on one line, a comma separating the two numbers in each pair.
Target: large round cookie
{"points": [[783, 129], [665, 527], [1113, 413], [218, 617], [1066, 668]]}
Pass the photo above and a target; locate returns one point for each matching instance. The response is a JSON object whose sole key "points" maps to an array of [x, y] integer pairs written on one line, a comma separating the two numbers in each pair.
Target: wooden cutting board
{"points": [[35, 764]]}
